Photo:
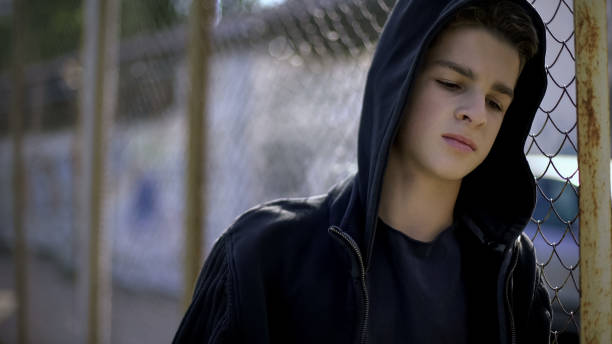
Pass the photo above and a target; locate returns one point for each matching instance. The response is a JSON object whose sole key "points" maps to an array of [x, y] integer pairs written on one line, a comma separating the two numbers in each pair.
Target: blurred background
{"points": [[282, 99]]}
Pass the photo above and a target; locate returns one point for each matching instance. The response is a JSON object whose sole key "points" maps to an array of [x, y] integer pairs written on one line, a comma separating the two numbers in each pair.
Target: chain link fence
{"points": [[552, 147], [285, 91]]}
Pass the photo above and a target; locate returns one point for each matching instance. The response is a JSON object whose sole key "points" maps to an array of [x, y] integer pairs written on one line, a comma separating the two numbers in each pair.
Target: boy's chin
{"points": [[454, 172]]}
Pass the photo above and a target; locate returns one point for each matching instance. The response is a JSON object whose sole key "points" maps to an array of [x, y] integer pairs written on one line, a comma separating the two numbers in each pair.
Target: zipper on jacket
{"points": [[365, 301], [508, 304]]}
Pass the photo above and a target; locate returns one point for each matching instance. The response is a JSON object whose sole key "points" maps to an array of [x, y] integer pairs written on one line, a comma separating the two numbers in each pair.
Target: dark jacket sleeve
{"points": [[531, 302], [209, 317], [540, 315]]}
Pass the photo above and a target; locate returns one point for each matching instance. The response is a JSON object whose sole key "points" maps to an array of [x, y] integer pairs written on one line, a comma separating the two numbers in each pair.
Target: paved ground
{"points": [[136, 317]]}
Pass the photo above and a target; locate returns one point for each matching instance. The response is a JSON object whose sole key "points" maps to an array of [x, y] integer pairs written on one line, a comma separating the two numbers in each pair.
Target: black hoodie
{"points": [[296, 270]]}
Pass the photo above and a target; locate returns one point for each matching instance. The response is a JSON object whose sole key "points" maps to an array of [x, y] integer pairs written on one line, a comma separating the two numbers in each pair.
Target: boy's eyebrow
{"points": [[468, 73]]}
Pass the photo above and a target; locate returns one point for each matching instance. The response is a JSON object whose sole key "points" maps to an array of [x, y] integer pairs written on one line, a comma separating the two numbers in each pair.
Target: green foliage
{"points": [[54, 28], [141, 16], [51, 28]]}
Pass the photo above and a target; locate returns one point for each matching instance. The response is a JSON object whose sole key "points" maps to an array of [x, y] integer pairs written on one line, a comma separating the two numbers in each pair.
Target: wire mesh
{"points": [[285, 93], [553, 140]]}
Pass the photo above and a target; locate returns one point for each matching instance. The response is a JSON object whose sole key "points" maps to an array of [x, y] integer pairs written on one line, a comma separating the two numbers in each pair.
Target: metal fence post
{"points": [[17, 129], [200, 21], [100, 60], [594, 166]]}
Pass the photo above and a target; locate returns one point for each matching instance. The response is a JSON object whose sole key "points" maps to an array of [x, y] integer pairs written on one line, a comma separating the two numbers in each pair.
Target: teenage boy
{"points": [[424, 243]]}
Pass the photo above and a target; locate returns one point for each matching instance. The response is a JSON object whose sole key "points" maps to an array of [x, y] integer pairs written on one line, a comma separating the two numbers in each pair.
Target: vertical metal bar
{"points": [[108, 106], [200, 21], [594, 165], [98, 105], [17, 117]]}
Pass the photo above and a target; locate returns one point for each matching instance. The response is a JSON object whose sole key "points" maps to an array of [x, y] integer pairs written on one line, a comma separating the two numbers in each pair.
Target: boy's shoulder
{"points": [[279, 224], [277, 214], [279, 243]]}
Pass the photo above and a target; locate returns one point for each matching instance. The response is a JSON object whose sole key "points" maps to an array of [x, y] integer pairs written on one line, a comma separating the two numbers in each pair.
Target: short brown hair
{"points": [[505, 18]]}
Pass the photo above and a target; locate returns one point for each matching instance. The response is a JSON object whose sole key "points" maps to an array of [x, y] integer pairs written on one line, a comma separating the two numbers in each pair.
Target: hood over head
{"points": [[499, 195]]}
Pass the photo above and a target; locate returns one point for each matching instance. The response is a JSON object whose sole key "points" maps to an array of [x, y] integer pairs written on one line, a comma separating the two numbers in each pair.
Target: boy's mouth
{"points": [[460, 142]]}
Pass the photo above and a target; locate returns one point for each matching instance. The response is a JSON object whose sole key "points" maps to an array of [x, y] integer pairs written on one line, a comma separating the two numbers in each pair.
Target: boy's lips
{"points": [[460, 142]]}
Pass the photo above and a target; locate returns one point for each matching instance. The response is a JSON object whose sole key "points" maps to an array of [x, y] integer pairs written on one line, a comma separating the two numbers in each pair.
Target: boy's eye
{"points": [[495, 105], [448, 85]]}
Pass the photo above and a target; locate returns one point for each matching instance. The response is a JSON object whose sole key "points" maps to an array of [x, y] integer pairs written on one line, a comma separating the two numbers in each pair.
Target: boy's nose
{"points": [[473, 111]]}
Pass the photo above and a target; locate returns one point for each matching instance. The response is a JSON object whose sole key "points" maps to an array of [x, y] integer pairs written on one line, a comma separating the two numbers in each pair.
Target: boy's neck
{"points": [[419, 205]]}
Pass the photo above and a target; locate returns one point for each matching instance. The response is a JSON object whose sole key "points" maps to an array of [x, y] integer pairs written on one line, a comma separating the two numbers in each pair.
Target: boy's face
{"points": [[457, 103]]}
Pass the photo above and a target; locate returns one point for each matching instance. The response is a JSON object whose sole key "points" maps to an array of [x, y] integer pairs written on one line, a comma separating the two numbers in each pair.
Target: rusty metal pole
{"points": [[594, 165], [200, 22], [98, 104], [18, 90]]}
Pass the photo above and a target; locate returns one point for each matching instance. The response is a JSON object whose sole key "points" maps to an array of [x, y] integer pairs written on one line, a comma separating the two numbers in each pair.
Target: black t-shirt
{"points": [[417, 289]]}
